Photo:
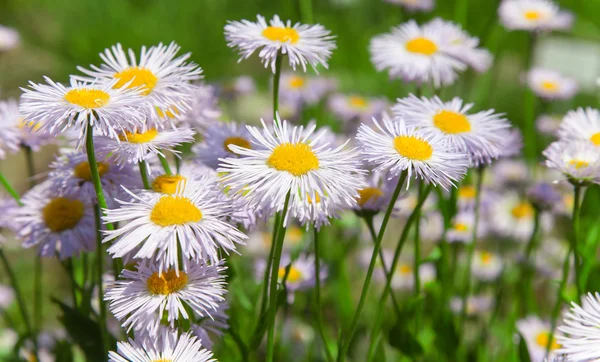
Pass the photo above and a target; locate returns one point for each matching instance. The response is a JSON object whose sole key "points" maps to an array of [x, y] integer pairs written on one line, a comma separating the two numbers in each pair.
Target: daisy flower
{"points": [[141, 298], [15, 131], [414, 5], [487, 266], [209, 329], [544, 195], [302, 90], [190, 220], [404, 277], [9, 38], [54, 108], [549, 124], [395, 147], [301, 276], [550, 84], [579, 161], [354, 107], [71, 170], [134, 146], [417, 54], [511, 142], [292, 159], [376, 195], [581, 124], [513, 217], [162, 77], [508, 173], [168, 346], [536, 334], [57, 220], [461, 229], [303, 44], [236, 87], [216, 140], [476, 304], [581, 330], [474, 134], [534, 15]]}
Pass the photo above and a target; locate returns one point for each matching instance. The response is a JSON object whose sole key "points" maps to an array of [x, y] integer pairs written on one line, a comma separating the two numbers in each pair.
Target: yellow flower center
{"points": [[170, 112], [486, 257], [82, 170], [358, 102], [405, 269], [166, 283], [466, 192], [293, 276], [421, 45], [87, 98], [368, 193], [162, 360], [297, 82], [451, 122], [172, 210], [238, 141], [522, 210], [142, 137], [62, 214], [595, 139], [297, 159], [579, 164], [167, 184], [532, 15], [413, 148], [139, 77], [461, 227], [543, 338], [276, 33], [549, 86]]}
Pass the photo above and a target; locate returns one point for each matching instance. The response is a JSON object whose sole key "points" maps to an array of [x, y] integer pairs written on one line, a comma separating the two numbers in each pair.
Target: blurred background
{"points": [[58, 35]]}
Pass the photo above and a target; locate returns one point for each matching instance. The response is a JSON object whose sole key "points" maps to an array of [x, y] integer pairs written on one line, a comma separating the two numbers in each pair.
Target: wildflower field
{"points": [[300, 180]]}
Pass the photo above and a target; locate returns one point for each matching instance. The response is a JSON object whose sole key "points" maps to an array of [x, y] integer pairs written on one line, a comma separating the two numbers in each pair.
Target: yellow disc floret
{"points": [[87, 98], [62, 214], [421, 45], [167, 184], [238, 141], [82, 170], [277, 33], [295, 158], [174, 210], [166, 283], [139, 77], [141, 137], [413, 148], [451, 122]]}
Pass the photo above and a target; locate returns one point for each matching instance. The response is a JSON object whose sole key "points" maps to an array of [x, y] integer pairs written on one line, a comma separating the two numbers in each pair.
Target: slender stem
{"points": [[558, 305], [528, 293], [575, 240], [239, 342], [281, 229], [265, 293], [361, 302], [11, 191], [471, 248], [529, 108], [89, 146], [20, 301], [306, 11], [417, 256], [100, 272], [276, 84], [165, 164], [319, 314], [144, 173]]}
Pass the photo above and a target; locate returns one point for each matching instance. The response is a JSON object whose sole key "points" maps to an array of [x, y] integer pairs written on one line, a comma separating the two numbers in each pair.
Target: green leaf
{"points": [[523, 351], [434, 256], [63, 351], [446, 336], [84, 332], [402, 339]]}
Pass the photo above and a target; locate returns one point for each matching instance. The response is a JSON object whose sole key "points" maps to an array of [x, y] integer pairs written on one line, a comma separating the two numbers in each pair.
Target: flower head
{"points": [[581, 124], [536, 334], [549, 84], [414, 5], [534, 15], [9, 38], [216, 140], [581, 330], [578, 161]]}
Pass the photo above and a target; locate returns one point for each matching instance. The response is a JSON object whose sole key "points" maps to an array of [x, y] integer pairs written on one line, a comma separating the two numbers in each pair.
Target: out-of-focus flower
{"points": [[536, 334], [302, 90], [216, 140], [487, 266], [356, 108], [548, 124], [9, 38], [476, 304], [544, 196], [549, 84], [534, 15], [581, 124], [578, 161], [414, 5]]}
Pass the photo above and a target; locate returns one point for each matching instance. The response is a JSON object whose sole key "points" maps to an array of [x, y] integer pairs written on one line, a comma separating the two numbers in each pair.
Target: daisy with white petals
{"points": [[536, 334], [414, 5], [216, 140], [168, 346], [395, 147], [14, 130], [487, 266], [291, 159], [581, 329], [162, 77], [141, 298], [579, 161], [54, 108], [534, 15], [9, 38], [160, 224], [475, 134], [353, 107], [303, 44], [550, 84], [581, 124]]}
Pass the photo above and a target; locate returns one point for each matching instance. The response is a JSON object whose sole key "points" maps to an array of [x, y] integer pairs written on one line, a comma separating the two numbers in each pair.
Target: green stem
{"points": [[345, 343], [276, 84], [575, 239], [240, 343], [165, 164], [100, 272], [144, 173], [417, 256], [528, 267], [20, 301], [89, 146], [306, 11], [559, 298], [11, 191], [319, 314], [471, 248], [529, 107], [281, 229], [265, 293]]}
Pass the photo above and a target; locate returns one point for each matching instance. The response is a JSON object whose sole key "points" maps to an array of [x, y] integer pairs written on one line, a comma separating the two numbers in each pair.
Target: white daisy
{"points": [[417, 54], [303, 44], [291, 159], [511, 142], [137, 145], [300, 89], [581, 329], [579, 160], [487, 266], [354, 107], [9, 38], [550, 84], [534, 15], [536, 334], [141, 298], [549, 124], [513, 217], [54, 108], [160, 75], [475, 134], [301, 276], [216, 140], [414, 5], [236, 87], [190, 219], [431, 226], [71, 170], [476, 304], [209, 329], [14, 131], [581, 124], [461, 229], [168, 346], [404, 277], [57, 220], [376, 195], [396, 148]]}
